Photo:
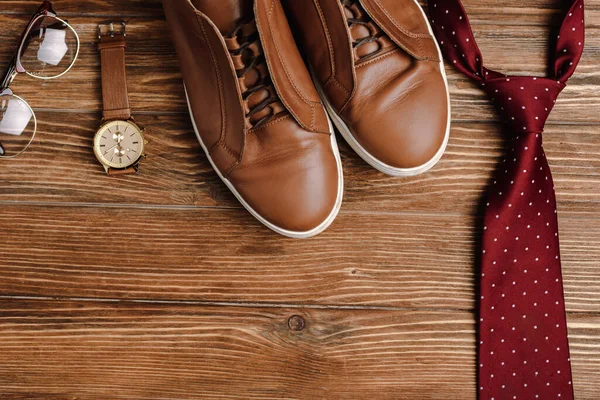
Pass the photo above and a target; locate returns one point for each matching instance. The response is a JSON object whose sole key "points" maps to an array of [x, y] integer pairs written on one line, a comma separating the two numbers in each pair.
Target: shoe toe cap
{"points": [[406, 127], [302, 195]]}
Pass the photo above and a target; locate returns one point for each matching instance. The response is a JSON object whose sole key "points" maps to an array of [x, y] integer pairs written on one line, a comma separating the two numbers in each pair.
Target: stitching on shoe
{"points": [[224, 119], [377, 58], [417, 36], [235, 162], [224, 146], [309, 103], [260, 128], [230, 170], [328, 36], [337, 83], [333, 77], [407, 33], [200, 20], [287, 73]]}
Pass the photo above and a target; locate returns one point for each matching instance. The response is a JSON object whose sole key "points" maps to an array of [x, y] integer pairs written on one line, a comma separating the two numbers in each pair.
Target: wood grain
{"points": [[160, 286], [98, 8], [150, 49], [513, 9], [386, 260], [51, 350], [177, 173]]}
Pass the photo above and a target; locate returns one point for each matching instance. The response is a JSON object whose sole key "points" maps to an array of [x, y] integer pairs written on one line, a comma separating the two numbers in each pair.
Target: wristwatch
{"points": [[119, 143]]}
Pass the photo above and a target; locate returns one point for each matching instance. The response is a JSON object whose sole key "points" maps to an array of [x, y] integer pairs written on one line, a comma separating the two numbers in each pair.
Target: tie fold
{"points": [[524, 102]]}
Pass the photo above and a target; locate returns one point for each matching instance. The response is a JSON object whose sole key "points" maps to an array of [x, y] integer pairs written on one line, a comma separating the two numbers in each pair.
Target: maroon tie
{"points": [[523, 347]]}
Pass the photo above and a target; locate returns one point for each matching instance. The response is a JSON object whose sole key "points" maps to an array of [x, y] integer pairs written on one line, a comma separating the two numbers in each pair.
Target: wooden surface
{"points": [[196, 300]]}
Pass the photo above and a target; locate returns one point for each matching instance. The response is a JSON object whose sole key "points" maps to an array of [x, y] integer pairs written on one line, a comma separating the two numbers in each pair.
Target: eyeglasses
{"points": [[48, 49]]}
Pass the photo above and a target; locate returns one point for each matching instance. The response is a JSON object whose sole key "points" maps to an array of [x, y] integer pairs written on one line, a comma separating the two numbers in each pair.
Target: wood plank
{"points": [[153, 67], [503, 48], [104, 8], [175, 173], [399, 244], [386, 260], [153, 76], [52, 350], [512, 9], [60, 167]]}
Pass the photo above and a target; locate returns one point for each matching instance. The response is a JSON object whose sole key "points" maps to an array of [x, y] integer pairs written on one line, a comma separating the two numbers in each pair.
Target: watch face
{"points": [[119, 144]]}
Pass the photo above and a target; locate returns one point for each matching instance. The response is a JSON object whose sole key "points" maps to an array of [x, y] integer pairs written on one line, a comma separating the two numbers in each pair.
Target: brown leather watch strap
{"points": [[114, 79], [126, 171]]}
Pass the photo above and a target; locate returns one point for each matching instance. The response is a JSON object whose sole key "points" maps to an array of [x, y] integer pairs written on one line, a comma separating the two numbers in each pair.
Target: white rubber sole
{"points": [[368, 157], [292, 234]]}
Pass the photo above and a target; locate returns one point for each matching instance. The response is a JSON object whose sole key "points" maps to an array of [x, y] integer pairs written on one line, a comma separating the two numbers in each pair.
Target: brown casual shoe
{"points": [[381, 75], [257, 113]]}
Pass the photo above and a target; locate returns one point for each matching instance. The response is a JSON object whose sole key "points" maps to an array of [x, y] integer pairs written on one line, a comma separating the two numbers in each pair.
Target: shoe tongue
{"points": [[226, 14]]}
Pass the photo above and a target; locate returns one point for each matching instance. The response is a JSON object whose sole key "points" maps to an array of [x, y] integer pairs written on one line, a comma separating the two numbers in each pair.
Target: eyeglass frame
{"points": [[15, 67]]}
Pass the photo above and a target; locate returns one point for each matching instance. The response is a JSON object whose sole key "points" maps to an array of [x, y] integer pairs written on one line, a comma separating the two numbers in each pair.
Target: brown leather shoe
{"points": [[257, 113], [381, 75]]}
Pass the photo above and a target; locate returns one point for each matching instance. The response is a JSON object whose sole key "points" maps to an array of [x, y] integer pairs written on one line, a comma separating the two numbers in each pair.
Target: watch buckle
{"points": [[111, 29]]}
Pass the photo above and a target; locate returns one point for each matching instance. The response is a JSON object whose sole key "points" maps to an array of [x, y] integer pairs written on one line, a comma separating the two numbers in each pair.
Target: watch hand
{"points": [[111, 149]]}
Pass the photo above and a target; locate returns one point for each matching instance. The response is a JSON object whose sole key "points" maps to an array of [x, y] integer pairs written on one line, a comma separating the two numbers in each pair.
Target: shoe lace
{"points": [[368, 39], [261, 102]]}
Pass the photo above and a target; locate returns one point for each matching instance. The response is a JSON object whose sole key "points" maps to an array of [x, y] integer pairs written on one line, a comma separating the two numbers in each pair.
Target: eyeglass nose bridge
{"points": [[8, 79], [6, 92]]}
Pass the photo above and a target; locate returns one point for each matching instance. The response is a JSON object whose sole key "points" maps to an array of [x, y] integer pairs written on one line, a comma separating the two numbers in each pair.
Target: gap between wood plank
{"points": [[253, 305], [185, 112], [226, 208], [232, 304], [87, 15]]}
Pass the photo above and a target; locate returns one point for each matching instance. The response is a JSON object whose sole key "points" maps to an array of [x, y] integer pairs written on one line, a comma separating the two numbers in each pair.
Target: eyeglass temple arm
{"points": [[11, 72], [45, 8]]}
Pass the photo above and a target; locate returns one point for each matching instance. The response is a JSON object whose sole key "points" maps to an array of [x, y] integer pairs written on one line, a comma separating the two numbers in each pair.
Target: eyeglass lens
{"points": [[49, 49], [17, 125]]}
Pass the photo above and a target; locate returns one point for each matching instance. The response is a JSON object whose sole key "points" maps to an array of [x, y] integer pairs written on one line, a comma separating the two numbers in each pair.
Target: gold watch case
{"points": [[119, 144]]}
